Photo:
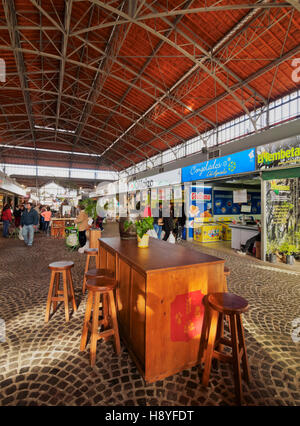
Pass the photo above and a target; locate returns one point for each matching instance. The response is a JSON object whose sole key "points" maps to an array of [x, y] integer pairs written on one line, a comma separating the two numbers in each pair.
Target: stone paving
{"points": [[42, 365]]}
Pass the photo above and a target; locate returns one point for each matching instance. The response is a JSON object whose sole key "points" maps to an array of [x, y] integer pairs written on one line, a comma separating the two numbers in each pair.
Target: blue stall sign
{"points": [[232, 164]]}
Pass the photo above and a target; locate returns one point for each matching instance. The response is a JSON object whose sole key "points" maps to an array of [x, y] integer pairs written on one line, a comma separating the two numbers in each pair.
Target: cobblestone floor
{"points": [[42, 365]]}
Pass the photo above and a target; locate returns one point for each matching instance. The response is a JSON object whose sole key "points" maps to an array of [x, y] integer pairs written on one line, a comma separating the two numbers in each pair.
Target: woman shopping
{"points": [[47, 216], [7, 219], [82, 225], [17, 215]]}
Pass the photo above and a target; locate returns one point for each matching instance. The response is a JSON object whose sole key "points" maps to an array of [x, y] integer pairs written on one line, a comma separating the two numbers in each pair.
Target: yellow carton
{"points": [[225, 232], [206, 233]]}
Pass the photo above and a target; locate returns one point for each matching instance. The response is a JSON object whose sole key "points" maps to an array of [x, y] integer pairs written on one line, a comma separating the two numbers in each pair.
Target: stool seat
{"points": [[94, 273], [227, 303], [91, 251], [55, 295], [61, 265], [101, 284]]}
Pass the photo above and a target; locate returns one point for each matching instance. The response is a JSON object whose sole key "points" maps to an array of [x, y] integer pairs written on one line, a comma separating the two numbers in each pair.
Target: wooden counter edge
{"points": [[145, 272]]}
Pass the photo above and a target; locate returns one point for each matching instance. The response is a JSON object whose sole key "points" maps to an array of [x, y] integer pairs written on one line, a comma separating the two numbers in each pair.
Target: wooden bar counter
{"points": [[159, 299]]}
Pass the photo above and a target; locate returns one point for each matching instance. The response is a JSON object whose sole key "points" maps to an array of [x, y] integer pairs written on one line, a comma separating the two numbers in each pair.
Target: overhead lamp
{"points": [[72, 132]]}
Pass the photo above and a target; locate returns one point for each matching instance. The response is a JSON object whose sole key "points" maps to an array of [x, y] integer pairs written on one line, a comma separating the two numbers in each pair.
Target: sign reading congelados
{"points": [[232, 164], [278, 154]]}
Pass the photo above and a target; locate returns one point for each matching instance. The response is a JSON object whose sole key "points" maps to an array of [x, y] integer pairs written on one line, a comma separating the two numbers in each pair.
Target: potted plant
{"points": [[288, 250], [127, 219], [271, 252], [142, 226]]}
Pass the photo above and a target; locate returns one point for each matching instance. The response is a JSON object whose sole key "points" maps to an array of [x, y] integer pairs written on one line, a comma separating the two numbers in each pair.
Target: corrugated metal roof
{"points": [[127, 80]]}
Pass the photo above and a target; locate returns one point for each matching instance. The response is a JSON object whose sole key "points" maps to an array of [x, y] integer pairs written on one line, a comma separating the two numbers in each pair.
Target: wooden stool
{"points": [[100, 287], [218, 305], [91, 252], [67, 293], [95, 273]]}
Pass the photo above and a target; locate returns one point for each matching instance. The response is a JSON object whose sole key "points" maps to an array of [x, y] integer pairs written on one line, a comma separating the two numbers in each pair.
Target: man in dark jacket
{"points": [[29, 222]]}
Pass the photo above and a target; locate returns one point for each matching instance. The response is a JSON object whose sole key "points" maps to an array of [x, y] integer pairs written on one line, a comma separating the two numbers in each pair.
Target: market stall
{"points": [[59, 225]]}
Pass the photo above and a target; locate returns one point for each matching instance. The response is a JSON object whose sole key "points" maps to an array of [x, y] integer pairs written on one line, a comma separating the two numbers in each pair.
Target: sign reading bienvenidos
{"points": [[278, 154]]}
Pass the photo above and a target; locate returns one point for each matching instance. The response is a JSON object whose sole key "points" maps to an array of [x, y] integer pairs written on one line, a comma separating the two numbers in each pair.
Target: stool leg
{"points": [[105, 311], [210, 347], [220, 331], [85, 270], [95, 323], [112, 306], [235, 360], [56, 288], [205, 327], [87, 317], [66, 298], [49, 299], [246, 370], [72, 290]]}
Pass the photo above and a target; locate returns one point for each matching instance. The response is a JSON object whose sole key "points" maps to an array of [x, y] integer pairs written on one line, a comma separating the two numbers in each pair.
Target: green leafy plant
{"points": [[90, 207], [271, 247], [288, 249], [142, 225], [292, 249]]}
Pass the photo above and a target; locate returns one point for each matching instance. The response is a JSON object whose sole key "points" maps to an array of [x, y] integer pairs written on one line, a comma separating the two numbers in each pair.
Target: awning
{"points": [[281, 174]]}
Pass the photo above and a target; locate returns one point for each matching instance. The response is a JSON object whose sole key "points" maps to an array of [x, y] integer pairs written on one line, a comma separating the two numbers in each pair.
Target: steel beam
{"points": [[64, 46], [176, 11], [11, 18], [295, 4]]}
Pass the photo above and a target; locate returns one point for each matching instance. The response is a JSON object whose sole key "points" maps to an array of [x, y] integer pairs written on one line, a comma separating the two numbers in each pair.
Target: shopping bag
{"points": [[20, 235], [152, 233], [162, 235], [171, 239]]}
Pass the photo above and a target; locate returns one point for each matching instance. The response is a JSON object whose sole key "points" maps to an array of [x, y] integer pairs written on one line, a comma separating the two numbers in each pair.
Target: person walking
{"points": [[17, 215], [82, 225], [99, 223], [47, 216], [7, 219], [42, 220], [168, 223], [29, 222], [147, 211], [158, 222]]}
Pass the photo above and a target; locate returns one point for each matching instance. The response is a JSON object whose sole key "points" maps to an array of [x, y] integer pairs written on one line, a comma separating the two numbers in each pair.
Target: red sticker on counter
{"points": [[187, 312]]}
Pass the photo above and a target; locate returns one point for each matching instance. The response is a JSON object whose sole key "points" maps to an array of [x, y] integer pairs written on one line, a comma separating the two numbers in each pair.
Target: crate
{"points": [[207, 233]]}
